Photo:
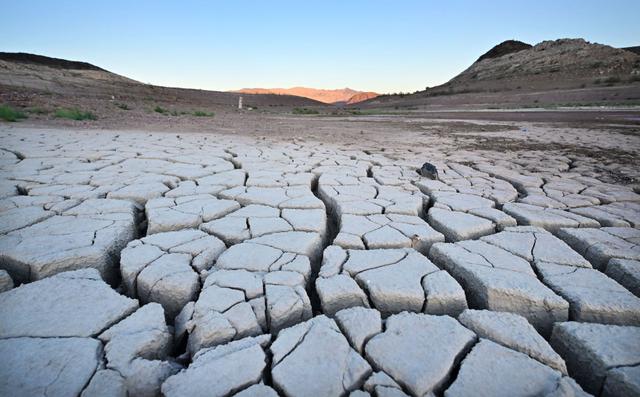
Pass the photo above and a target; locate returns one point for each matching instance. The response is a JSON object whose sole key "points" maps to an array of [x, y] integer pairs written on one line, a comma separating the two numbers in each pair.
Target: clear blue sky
{"points": [[384, 46]]}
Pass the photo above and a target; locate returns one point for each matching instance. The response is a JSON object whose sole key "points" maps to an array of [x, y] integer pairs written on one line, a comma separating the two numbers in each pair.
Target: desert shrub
{"points": [[304, 111], [37, 110], [612, 80], [75, 114], [170, 112], [7, 113], [123, 106], [202, 113]]}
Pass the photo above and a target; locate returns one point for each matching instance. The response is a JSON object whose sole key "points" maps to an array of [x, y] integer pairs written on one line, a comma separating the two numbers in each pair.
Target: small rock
{"points": [[6, 283]]}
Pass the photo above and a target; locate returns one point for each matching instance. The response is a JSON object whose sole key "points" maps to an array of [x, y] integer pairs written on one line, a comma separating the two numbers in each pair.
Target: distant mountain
{"points": [[362, 96], [344, 95]]}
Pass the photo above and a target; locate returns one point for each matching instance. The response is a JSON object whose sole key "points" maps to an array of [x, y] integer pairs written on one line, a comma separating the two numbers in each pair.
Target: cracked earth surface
{"points": [[145, 264]]}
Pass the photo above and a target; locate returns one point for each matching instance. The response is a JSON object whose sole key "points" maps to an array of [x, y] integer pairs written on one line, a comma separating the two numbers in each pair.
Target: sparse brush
{"points": [[123, 106], [75, 114], [201, 113], [168, 112], [612, 80], [304, 111], [8, 113], [38, 110]]}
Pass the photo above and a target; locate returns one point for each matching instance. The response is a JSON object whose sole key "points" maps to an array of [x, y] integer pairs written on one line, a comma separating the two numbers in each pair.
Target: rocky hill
{"points": [[343, 95], [505, 48], [558, 71], [549, 64], [53, 74], [362, 96]]}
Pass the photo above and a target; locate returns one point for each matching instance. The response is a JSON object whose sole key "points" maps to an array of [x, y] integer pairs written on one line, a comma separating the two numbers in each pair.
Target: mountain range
{"points": [[338, 96]]}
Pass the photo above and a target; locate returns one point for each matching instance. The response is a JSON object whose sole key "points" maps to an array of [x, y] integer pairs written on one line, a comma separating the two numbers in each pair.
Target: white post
{"points": [[240, 103]]}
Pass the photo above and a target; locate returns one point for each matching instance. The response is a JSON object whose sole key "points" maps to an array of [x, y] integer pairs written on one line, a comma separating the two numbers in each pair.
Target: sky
{"points": [[383, 46]]}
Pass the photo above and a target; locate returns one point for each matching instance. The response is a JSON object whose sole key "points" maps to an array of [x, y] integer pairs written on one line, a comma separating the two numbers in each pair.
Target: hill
{"points": [[504, 48], [551, 72], [344, 95], [550, 64], [362, 96], [635, 50], [36, 80], [23, 57]]}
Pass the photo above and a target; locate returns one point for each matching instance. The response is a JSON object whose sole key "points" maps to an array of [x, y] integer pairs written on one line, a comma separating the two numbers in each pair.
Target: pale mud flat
{"points": [[308, 257]]}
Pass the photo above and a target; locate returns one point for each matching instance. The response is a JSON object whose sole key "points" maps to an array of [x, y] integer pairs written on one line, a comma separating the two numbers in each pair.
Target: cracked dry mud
{"points": [[144, 264]]}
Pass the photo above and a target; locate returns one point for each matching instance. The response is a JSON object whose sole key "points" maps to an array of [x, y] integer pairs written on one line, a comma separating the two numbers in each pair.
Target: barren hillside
{"points": [[551, 72], [551, 64], [32, 80]]}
